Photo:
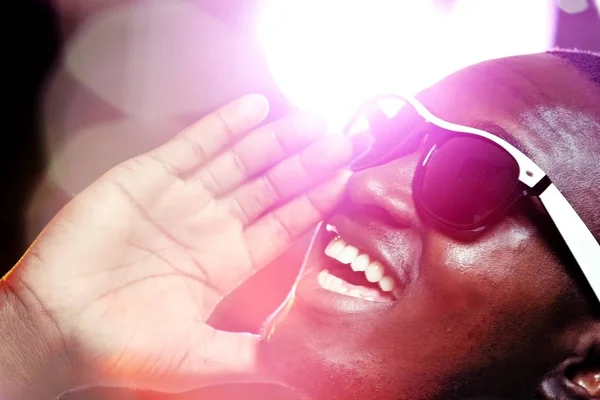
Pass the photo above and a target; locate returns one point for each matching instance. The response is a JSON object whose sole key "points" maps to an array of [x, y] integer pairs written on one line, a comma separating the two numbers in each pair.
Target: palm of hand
{"points": [[158, 241], [161, 281]]}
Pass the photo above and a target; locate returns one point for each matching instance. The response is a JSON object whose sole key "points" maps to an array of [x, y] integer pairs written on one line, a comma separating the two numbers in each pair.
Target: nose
{"points": [[389, 188]]}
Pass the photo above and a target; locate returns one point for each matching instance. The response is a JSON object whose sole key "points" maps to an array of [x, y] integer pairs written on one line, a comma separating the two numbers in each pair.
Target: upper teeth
{"points": [[360, 262]]}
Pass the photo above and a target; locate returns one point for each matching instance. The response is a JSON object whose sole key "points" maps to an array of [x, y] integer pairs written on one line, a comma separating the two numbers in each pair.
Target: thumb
{"points": [[215, 357], [230, 353]]}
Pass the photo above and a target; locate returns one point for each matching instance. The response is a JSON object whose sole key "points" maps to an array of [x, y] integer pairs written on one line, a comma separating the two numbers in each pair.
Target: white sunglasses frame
{"points": [[577, 236]]}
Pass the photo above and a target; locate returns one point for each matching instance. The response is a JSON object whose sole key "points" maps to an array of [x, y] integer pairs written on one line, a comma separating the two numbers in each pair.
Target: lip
{"points": [[361, 237], [310, 293]]}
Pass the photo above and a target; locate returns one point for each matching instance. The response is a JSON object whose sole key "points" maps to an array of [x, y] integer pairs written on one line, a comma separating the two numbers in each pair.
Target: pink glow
{"points": [[331, 55]]}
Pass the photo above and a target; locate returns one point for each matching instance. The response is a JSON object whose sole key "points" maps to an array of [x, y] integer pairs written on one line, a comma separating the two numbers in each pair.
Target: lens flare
{"points": [[331, 55]]}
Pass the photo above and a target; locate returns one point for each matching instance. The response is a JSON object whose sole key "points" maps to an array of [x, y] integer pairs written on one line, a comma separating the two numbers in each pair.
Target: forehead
{"points": [[546, 104]]}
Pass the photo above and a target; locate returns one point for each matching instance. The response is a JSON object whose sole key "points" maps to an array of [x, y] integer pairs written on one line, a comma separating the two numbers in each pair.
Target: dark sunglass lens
{"points": [[467, 178]]}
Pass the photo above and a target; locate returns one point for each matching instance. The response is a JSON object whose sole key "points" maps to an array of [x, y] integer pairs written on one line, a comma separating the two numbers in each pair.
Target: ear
{"points": [[577, 378]]}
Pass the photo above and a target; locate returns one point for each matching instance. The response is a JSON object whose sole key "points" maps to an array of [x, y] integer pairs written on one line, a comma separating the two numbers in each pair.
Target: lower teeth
{"points": [[334, 284]]}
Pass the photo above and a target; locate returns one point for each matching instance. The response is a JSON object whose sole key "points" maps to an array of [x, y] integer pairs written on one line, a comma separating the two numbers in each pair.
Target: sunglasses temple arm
{"points": [[577, 236]]}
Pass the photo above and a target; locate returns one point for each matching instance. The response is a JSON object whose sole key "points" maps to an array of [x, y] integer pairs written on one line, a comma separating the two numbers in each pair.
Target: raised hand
{"points": [[130, 270]]}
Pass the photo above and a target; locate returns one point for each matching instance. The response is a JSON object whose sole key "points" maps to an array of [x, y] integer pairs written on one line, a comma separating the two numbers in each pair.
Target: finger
{"points": [[290, 178], [259, 150], [273, 233], [209, 136]]}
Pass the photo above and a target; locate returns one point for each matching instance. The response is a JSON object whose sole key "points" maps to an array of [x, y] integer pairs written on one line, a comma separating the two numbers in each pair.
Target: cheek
{"points": [[490, 293], [497, 257], [510, 268]]}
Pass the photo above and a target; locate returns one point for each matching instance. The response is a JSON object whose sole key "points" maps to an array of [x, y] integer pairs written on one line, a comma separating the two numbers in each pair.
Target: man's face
{"points": [[468, 317]]}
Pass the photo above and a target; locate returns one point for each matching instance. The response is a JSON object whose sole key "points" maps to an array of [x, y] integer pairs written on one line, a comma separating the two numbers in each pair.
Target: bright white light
{"points": [[331, 55]]}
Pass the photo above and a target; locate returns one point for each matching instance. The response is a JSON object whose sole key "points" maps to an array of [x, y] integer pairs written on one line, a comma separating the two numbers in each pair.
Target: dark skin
{"points": [[501, 315]]}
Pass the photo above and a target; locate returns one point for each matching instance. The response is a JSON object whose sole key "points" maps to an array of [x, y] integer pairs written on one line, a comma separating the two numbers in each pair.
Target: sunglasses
{"points": [[467, 178]]}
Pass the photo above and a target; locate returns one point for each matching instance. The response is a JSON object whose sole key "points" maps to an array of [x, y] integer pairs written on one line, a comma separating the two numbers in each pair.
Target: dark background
{"points": [[33, 42]]}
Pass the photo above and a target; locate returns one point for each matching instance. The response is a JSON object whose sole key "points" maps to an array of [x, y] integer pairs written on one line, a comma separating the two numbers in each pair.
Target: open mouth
{"points": [[353, 272]]}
